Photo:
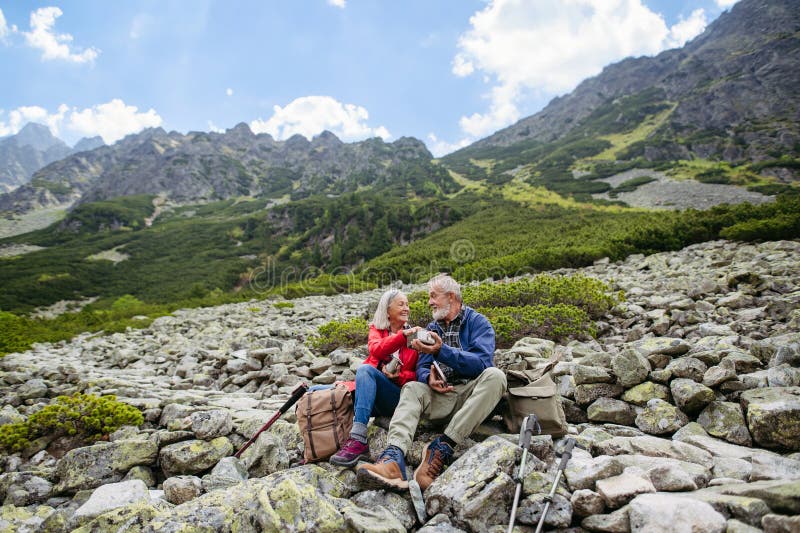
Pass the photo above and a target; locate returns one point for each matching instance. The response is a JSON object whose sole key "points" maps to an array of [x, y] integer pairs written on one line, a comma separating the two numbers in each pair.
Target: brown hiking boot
{"points": [[437, 455], [388, 472]]}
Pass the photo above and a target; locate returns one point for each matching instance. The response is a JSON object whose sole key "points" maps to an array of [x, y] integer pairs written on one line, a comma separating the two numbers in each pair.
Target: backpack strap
{"points": [[309, 427]]}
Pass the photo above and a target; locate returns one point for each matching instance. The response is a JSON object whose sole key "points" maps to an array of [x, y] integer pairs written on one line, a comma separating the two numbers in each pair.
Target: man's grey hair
{"points": [[381, 318], [446, 284]]}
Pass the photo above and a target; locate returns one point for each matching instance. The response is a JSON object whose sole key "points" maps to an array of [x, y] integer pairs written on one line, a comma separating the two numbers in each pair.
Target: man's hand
{"points": [[428, 348], [436, 383]]}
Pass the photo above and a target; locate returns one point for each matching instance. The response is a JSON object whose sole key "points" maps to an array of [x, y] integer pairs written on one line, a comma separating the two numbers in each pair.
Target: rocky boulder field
{"points": [[685, 409]]}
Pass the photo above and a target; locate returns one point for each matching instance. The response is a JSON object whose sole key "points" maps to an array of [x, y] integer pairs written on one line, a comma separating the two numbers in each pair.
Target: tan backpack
{"points": [[534, 392], [325, 418]]}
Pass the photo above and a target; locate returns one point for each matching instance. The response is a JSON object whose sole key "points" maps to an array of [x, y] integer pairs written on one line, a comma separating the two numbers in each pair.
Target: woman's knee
{"points": [[366, 370]]}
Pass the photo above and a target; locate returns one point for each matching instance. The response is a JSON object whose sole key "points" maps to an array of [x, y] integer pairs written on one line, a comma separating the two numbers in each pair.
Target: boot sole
{"points": [[372, 481], [349, 464]]}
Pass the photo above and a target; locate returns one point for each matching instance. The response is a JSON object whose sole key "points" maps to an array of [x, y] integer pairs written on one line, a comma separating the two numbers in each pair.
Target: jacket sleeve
{"points": [[381, 348], [476, 354]]}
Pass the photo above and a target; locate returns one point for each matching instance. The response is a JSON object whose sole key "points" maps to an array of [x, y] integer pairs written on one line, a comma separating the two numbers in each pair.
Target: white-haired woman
{"points": [[377, 390]]}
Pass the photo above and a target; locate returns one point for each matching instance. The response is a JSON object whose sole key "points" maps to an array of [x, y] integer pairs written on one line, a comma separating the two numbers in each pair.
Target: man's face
{"points": [[440, 302]]}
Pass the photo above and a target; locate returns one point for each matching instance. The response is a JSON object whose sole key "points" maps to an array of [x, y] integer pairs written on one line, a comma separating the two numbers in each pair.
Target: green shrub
{"points": [[785, 226], [283, 305], [348, 333], [589, 294], [85, 417], [554, 322]]}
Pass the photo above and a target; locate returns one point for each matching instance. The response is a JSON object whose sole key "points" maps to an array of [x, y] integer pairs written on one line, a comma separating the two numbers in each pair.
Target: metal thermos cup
{"points": [[393, 364]]}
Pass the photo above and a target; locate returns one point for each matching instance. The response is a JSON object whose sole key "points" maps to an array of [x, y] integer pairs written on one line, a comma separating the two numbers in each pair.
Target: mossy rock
{"points": [[644, 392], [773, 416]]}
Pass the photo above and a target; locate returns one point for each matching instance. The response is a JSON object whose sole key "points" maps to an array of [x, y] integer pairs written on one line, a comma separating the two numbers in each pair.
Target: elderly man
{"points": [[463, 348]]}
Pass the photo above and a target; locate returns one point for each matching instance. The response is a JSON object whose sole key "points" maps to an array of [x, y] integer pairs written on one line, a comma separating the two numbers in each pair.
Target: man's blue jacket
{"points": [[476, 353]]}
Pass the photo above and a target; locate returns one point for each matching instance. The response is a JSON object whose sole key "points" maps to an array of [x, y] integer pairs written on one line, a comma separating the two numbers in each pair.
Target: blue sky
{"points": [[448, 72]]}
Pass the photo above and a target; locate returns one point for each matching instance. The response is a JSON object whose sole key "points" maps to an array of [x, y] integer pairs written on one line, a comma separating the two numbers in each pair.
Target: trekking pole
{"points": [[565, 457], [525, 434], [296, 395]]}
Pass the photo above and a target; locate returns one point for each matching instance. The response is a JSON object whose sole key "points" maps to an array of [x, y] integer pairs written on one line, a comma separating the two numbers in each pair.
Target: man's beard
{"points": [[441, 313]]}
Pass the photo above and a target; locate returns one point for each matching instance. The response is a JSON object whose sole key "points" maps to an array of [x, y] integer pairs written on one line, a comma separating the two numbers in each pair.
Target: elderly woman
{"points": [[377, 388]]}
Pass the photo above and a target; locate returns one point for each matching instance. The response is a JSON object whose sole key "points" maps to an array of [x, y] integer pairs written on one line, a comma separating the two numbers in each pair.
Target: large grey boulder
{"points": [[559, 515], [193, 456], [616, 522], [476, 488], [773, 416], [644, 392], [583, 471], [586, 394], [661, 345], [653, 447], [611, 410], [399, 507], [667, 513], [111, 496], [726, 421], [106, 462]]}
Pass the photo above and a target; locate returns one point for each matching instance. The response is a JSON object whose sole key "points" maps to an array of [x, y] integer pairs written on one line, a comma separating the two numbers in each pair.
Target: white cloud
{"points": [[53, 45], [544, 48], [724, 4], [112, 120], [311, 115], [439, 147], [229, 91], [338, 3], [214, 128], [687, 29], [3, 26]]}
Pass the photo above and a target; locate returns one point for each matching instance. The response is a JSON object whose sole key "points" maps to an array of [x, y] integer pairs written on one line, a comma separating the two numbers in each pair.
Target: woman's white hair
{"points": [[446, 284], [381, 318]]}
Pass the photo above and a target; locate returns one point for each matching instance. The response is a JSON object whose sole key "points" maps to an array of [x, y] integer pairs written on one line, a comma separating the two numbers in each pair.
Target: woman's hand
{"points": [[390, 375]]}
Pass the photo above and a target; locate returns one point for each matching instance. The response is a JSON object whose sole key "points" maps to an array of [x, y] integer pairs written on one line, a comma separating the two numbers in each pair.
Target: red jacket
{"points": [[382, 344]]}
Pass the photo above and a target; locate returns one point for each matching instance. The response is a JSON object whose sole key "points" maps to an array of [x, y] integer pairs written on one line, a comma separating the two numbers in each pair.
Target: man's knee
{"points": [[414, 389], [494, 378]]}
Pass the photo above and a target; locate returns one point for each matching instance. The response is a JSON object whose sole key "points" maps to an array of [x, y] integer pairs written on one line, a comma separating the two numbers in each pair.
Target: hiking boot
{"points": [[351, 453], [388, 472], [437, 455]]}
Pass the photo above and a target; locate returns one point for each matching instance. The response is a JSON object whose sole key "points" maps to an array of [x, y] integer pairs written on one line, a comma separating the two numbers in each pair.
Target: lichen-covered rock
{"points": [[24, 488], [773, 416], [747, 509], [533, 347], [630, 367], [690, 397], [699, 474], [644, 392], [717, 375], [194, 456], [273, 450], [133, 518], [228, 471], [661, 345], [611, 410], [23, 518], [105, 462], [653, 447], [273, 503], [780, 496], [660, 418], [661, 513], [775, 523], [208, 425], [373, 518], [726, 421], [475, 487], [181, 489]]}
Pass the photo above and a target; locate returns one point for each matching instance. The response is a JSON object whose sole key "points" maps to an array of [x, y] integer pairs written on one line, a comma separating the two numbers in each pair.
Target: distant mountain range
{"points": [[725, 108], [32, 148], [730, 95]]}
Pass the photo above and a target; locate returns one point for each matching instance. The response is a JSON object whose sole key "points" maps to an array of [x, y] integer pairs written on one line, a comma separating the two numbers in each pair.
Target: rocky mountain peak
{"points": [[89, 143], [37, 136]]}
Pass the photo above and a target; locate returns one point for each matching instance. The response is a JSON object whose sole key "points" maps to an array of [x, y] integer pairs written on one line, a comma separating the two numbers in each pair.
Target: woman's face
{"points": [[398, 311]]}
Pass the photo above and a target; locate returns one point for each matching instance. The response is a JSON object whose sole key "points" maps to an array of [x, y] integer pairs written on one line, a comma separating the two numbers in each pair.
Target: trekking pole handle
{"points": [[296, 395], [566, 455]]}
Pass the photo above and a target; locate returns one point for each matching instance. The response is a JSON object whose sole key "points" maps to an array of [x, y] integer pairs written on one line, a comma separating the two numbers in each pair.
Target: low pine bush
{"points": [[84, 416], [340, 333]]}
